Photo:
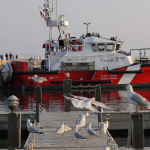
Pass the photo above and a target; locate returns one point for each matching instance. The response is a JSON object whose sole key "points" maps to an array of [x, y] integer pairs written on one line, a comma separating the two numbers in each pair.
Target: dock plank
{"points": [[50, 139]]}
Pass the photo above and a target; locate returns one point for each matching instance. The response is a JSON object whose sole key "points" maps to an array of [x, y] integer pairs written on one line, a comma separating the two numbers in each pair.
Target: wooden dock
{"points": [[50, 140]]}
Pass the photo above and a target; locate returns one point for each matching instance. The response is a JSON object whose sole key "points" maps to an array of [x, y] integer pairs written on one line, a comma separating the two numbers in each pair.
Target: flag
{"points": [[42, 15]]}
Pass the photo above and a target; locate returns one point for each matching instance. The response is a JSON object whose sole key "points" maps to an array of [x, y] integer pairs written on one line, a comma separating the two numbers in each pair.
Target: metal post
{"points": [[98, 98], [66, 90], [38, 93], [137, 131]]}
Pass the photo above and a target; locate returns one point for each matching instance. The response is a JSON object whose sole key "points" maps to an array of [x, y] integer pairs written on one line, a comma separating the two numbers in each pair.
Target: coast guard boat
{"points": [[90, 59]]}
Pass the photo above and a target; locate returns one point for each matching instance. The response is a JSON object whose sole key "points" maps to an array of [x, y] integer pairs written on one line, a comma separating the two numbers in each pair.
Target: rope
{"points": [[88, 86]]}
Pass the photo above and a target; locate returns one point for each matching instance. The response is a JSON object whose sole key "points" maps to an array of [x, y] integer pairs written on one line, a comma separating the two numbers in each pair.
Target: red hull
{"points": [[25, 77]]}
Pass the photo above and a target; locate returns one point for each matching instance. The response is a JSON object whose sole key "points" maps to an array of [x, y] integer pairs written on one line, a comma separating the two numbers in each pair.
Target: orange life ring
{"points": [[79, 48]]}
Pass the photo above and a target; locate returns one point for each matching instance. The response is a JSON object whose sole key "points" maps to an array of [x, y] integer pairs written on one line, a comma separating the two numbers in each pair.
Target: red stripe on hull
{"points": [[142, 77]]}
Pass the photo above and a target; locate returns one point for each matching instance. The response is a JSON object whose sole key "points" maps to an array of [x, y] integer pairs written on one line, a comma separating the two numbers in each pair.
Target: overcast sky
{"points": [[22, 29]]}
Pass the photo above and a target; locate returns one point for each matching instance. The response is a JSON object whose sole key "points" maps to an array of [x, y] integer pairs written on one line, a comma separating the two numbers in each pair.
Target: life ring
{"points": [[79, 48]]}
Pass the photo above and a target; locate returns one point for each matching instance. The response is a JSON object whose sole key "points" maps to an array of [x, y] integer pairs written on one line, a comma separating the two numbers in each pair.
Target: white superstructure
{"points": [[89, 52]]}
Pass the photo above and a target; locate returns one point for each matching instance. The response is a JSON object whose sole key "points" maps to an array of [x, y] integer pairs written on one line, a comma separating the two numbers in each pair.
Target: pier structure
{"points": [[49, 140]]}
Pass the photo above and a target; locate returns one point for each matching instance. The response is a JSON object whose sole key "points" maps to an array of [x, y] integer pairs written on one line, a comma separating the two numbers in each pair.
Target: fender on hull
{"points": [[7, 72]]}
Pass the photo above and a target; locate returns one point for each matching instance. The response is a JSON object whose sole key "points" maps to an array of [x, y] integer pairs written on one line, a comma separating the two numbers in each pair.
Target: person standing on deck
{"points": [[10, 55], [6, 56]]}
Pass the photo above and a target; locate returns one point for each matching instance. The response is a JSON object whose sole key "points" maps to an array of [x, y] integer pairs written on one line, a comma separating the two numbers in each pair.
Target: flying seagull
{"points": [[136, 99], [87, 101]]}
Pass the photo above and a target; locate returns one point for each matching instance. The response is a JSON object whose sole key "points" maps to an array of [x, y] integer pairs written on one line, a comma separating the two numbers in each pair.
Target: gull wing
{"points": [[141, 101], [69, 98], [77, 103], [66, 128], [101, 105], [93, 109], [91, 132], [32, 129], [79, 136], [83, 98]]}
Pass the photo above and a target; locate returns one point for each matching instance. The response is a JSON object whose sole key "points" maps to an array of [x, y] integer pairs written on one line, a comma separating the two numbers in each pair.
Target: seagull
{"points": [[62, 128], [75, 102], [39, 79], [90, 131], [32, 129], [28, 122], [107, 124], [92, 101], [136, 99], [86, 114], [81, 104], [81, 121], [102, 128], [82, 98], [77, 135]]}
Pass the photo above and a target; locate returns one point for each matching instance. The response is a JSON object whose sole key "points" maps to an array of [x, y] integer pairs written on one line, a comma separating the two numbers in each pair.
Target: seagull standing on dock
{"points": [[77, 135], [81, 121], [39, 79], [90, 131], [136, 99], [32, 129], [35, 126], [102, 128], [62, 128]]}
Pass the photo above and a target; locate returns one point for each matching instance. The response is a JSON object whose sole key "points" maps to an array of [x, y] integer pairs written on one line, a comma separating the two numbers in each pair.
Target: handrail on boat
{"points": [[140, 52]]}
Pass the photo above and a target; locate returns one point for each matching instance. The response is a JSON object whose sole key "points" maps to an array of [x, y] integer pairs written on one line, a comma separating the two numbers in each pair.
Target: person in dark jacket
{"points": [[10, 55], [6, 56]]}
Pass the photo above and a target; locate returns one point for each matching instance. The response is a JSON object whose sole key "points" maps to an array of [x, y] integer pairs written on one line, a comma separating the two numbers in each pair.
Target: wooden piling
{"points": [[19, 130], [14, 131], [137, 131], [98, 98], [67, 87], [38, 93]]}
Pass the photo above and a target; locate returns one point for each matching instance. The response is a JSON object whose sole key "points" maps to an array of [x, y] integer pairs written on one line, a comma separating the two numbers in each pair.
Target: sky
{"points": [[23, 30]]}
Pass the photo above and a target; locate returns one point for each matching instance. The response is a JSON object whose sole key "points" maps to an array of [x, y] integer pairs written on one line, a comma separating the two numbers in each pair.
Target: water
{"points": [[53, 101]]}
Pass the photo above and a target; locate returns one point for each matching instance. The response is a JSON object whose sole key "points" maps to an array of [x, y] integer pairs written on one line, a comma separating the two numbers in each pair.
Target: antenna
{"points": [[56, 9], [52, 5]]}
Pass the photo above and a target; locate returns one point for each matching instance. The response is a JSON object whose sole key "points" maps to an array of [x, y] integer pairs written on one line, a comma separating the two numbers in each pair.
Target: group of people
{"points": [[8, 56]]}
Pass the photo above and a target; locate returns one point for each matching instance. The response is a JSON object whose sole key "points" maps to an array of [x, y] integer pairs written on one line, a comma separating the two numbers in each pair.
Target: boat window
{"points": [[101, 47], [117, 47], [94, 47], [110, 47]]}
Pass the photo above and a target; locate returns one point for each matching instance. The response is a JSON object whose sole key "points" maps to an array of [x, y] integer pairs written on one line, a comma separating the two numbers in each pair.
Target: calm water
{"points": [[53, 101]]}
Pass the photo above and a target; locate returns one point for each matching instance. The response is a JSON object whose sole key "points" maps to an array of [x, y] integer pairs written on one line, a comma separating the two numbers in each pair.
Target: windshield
{"points": [[110, 47], [101, 47]]}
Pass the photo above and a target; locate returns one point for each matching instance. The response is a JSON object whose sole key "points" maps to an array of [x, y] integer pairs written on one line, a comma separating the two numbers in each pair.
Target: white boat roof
{"points": [[93, 39]]}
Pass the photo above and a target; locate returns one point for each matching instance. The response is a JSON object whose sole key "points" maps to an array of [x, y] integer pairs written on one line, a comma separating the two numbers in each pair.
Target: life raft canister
{"points": [[49, 52], [79, 47]]}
